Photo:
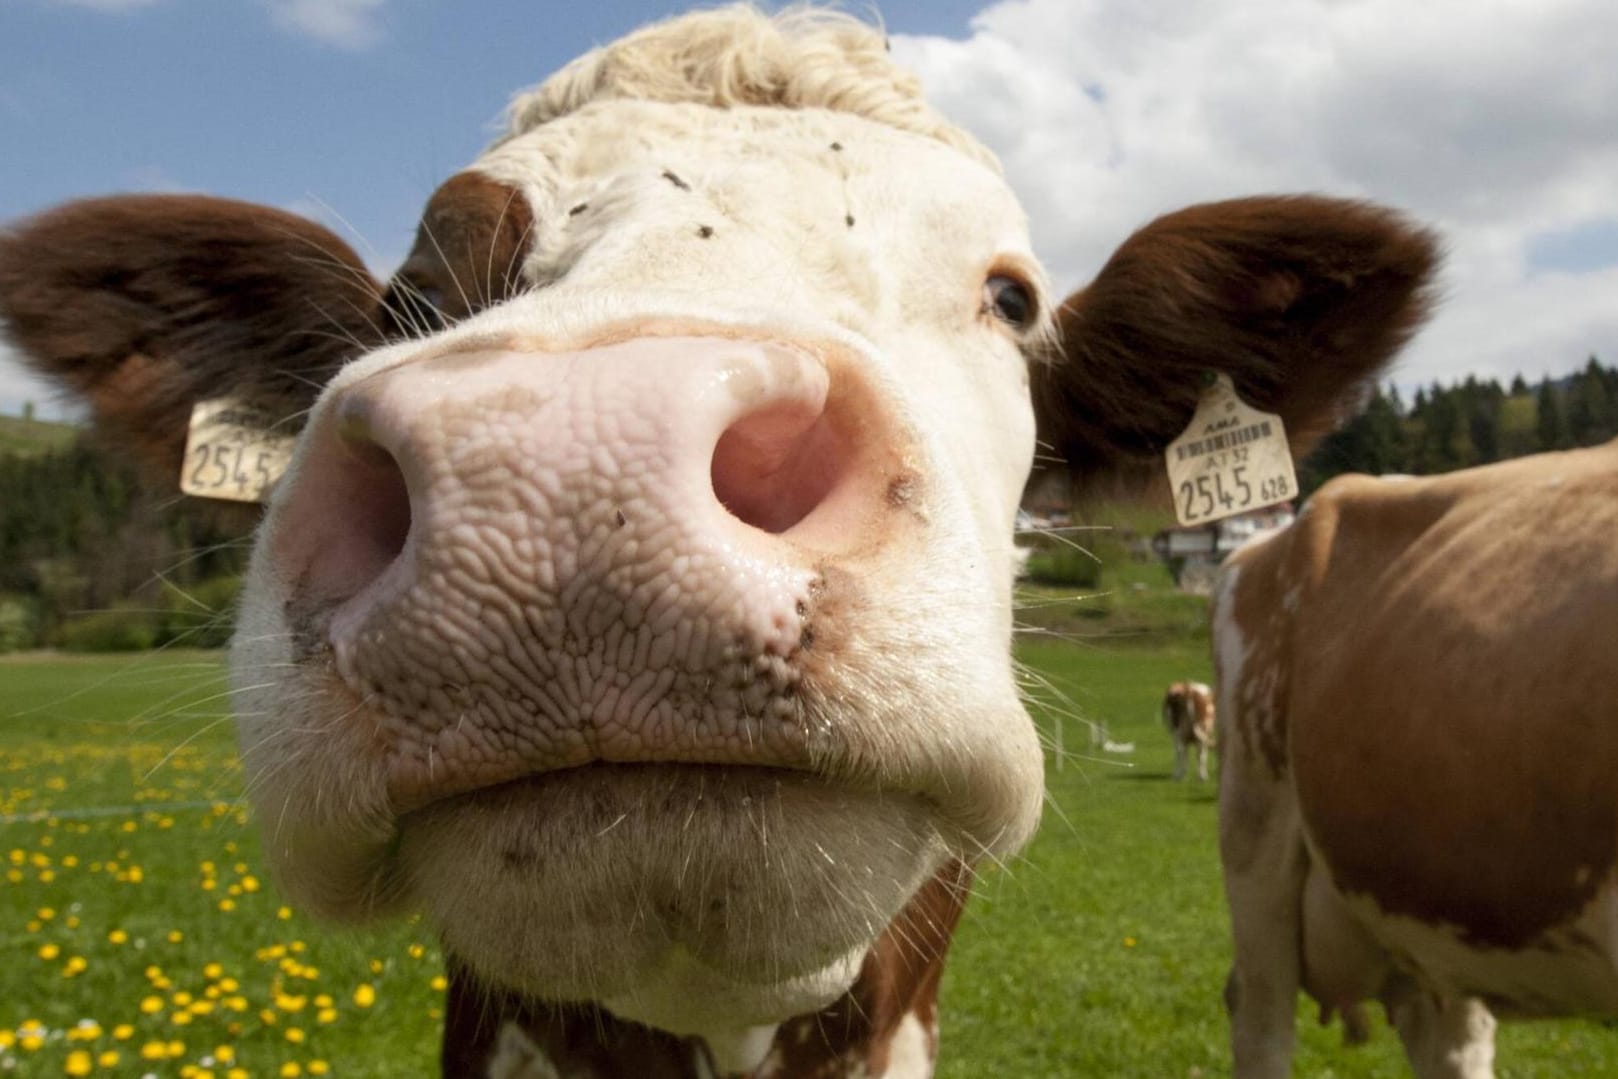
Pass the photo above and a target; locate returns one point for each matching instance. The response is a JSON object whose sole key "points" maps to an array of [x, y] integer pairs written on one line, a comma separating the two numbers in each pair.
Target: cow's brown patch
{"points": [[1450, 703]]}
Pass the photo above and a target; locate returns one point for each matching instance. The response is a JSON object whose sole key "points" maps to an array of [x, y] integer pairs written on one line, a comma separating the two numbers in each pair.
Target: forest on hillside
{"points": [[79, 537], [1470, 423]]}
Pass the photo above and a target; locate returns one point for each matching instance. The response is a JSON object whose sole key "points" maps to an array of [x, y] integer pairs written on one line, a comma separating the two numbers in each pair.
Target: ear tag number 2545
{"points": [[231, 454], [1231, 459]]}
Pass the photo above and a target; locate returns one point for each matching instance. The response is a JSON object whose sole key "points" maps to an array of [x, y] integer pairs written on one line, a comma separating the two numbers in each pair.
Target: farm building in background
{"points": [[1194, 554]]}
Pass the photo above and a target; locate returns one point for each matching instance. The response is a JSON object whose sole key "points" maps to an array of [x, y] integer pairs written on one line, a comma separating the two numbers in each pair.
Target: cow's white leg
{"points": [[1179, 759], [1262, 854], [1445, 1037], [1202, 761]]}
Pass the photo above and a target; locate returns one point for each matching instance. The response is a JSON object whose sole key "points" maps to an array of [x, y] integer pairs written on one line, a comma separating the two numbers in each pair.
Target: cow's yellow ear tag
{"points": [[1231, 459], [232, 451]]}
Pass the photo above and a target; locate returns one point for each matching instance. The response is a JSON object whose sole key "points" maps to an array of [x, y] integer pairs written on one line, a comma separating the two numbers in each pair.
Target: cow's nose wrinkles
{"points": [[531, 559]]}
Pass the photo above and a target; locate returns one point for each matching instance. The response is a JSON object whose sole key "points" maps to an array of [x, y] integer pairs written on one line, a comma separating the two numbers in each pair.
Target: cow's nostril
{"points": [[773, 466], [380, 504], [348, 518]]}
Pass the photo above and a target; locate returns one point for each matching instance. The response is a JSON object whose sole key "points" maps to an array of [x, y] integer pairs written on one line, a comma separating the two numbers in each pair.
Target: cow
{"points": [[1188, 713], [1419, 772], [637, 603]]}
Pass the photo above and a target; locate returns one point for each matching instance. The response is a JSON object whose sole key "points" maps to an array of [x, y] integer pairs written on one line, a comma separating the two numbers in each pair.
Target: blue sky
{"points": [[230, 97], [1499, 131]]}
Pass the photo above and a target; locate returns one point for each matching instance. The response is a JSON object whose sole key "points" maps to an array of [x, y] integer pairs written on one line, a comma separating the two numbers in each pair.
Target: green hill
{"points": [[29, 438]]}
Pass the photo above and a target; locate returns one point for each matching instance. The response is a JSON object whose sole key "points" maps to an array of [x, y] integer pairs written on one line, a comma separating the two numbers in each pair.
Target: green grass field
{"points": [[143, 937]]}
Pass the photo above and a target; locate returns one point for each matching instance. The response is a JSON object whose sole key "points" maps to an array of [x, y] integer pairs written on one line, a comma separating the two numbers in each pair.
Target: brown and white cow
{"points": [[1188, 713], [1419, 775], [638, 602]]}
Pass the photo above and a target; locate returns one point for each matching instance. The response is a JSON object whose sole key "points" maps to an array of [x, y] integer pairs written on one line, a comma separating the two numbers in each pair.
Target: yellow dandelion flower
{"points": [[324, 1000], [224, 1053], [290, 1070], [284, 913], [182, 998], [228, 985], [415, 951], [45, 914], [75, 965], [123, 1032], [294, 1035], [227, 905], [319, 1067], [175, 936], [151, 1005], [154, 1051], [439, 983], [212, 971], [48, 952], [326, 1015], [135, 874], [7, 1039], [79, 1062], [176, 1048], [236, 1073], [108, 1059], [118, 936], [365, 995], [180, 1019], [250, 883]]}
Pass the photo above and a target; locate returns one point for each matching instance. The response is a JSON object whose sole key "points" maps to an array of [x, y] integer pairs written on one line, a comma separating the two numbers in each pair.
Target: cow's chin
{"points": [[690, 898]]}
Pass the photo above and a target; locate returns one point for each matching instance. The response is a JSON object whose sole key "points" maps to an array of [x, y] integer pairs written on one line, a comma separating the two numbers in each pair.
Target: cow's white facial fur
{"points": [[696, 899]]}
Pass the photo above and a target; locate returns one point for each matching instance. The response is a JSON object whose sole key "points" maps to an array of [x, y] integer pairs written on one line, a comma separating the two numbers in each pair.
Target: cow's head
{"points": [[639, 599]]}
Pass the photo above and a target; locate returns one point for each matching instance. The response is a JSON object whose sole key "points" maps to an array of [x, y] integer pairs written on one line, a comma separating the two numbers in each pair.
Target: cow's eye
{"points": [[417, 309], [1011, 301]]}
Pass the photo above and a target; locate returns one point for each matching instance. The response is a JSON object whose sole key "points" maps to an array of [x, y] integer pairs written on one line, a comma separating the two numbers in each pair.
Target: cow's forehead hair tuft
{"points": [[801, 58]]}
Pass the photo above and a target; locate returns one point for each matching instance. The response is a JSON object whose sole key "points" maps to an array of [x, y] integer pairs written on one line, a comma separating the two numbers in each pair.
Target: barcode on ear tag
{"points": [[233, 452], [1231, 459]]}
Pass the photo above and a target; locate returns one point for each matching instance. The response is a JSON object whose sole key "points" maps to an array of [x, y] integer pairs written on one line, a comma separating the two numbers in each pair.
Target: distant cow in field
{"points": [[1419, 773], [638, 600], [1188, 713]]}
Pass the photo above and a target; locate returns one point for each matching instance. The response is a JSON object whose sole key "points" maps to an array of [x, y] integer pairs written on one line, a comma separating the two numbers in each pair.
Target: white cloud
{"points": [[348, 24], [1494, 121]]}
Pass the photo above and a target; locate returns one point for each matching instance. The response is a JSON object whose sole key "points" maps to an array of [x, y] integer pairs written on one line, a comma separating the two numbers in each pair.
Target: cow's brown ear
{"points": [[1303, 301], [143, 305]]}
